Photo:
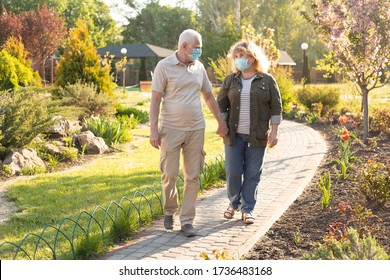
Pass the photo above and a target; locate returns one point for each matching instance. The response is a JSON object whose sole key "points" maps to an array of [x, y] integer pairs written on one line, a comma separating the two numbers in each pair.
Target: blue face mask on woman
{"points": [[196, 53], [241, 63]]}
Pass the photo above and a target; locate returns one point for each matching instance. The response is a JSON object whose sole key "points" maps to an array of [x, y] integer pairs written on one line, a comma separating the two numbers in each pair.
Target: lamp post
{"points": [[124, 51], [304, 47]]}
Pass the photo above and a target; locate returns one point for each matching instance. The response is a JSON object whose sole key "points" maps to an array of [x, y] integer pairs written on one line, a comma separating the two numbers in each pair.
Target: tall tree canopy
{"points": [[158, 25]]}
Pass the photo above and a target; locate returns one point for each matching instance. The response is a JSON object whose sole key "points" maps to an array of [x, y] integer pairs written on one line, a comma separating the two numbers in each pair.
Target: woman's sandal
{"points": [[229, 213], [247, 218]]}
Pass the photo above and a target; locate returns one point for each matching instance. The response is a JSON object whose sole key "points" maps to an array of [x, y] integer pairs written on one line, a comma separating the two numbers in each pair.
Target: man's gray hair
{"points": [[189, 36]]}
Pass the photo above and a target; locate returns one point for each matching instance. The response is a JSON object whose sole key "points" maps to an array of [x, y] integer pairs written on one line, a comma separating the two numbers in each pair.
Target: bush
{"points": [[85, 96], [80, 62], [354, 248], [329, 97], [141, 116], [15, 68], [286, 87], [23, 116], [375, 182]]}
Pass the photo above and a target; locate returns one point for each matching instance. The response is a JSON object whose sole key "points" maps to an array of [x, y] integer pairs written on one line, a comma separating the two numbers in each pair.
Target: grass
{"points": [[49, 198]]}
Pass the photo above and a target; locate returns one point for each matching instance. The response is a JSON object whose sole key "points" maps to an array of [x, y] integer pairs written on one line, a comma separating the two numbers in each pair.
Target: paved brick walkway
{"points": [[288, 169]]}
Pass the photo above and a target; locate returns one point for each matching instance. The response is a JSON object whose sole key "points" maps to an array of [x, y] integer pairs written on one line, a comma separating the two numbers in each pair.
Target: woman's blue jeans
{"points": [[244, 165]]}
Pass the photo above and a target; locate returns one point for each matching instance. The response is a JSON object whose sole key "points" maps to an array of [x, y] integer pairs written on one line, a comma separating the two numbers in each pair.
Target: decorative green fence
{"points": [[90, 234]]}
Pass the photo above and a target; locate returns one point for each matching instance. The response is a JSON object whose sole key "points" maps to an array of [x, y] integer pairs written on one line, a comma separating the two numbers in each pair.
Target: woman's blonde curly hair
{"points": [[248, 47]]}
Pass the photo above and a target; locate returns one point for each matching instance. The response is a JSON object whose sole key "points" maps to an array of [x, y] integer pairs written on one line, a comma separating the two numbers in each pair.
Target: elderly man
{"points": [[177, 82]]}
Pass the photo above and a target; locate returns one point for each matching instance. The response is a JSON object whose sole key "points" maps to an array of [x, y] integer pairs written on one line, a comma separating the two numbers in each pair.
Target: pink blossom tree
{"points": [[358, 34]]}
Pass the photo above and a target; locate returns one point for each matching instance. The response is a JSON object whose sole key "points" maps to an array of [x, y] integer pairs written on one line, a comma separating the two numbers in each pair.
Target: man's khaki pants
{"points": [[191, 143]]}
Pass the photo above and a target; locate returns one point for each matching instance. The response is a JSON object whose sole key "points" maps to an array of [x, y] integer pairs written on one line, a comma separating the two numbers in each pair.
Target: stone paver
{"points": [[288, 169]]}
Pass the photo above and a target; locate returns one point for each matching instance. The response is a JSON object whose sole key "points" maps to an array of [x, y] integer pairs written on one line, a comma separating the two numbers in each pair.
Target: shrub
{"points": [[286, 87], [375, 181], [85, 96], [141, 116], [81, 63], [23, 116], [329, 97], [354, 248], [380, 121]]}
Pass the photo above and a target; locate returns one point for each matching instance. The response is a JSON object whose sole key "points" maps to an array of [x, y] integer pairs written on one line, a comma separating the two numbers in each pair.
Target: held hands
{"points": [[222, 129]]}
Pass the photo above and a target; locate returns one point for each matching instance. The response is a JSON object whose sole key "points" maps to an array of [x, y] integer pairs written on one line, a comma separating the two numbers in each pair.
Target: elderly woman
{"points": [[250, 102]]}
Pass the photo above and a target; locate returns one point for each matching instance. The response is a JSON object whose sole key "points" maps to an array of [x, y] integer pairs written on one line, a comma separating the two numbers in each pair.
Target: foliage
{"points": [[355, 248], [358, 217], [13, 73], [89, 247], [86, 97], [80, 62], [219, 255], [329, 97], [380, 121], [24, 115], [324, 185], [96, 12], [358, 34], [42, 31], [221, 67], [375, 181], [158, 25], [213, 173], [17, 59], [36, 169], [112, 131], [285, 83], [142, 116]]}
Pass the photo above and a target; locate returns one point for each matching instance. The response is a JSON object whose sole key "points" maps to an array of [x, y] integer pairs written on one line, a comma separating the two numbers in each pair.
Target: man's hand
{"points": [[154, 138]]}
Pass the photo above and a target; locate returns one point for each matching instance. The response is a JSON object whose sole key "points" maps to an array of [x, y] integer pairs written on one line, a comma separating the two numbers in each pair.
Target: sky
{"points": [[116, 13]]}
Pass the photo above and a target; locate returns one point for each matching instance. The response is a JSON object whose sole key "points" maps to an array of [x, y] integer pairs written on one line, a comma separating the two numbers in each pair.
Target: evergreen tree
{"points": [[80, 62]]}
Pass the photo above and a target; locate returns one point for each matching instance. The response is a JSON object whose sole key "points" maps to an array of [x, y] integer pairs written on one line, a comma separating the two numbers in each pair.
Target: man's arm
{"points": [[214, 108], [155, 102]]}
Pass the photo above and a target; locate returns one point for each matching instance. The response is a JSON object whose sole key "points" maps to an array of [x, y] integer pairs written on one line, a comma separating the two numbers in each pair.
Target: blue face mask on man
{"points": [[196, 53], [241, 63]]}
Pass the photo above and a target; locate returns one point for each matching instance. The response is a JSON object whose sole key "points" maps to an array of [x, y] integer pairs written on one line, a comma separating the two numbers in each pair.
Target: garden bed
{"points": [[306, 218]]}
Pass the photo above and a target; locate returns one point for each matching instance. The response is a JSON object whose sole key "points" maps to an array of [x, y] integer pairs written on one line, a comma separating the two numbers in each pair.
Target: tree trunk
{"points": [[365, 113]]}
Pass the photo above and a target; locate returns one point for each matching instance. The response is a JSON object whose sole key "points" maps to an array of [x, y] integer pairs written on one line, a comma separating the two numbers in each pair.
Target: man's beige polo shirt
{"points": [[180, 86]]}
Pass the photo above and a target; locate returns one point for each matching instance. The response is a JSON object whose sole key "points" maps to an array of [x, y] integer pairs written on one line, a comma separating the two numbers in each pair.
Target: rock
{"points": [[20, 159], [94, 145]]}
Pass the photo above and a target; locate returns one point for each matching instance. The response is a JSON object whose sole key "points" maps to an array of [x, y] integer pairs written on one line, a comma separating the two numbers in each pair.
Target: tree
{"points": [[80, 62], [96, 13], [43, 31], [10, 25], [358, 34], [158, 25]]}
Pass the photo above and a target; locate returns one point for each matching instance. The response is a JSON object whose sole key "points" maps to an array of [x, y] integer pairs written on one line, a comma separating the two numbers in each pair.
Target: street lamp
{"points": [[304, 47], [124, 51]]}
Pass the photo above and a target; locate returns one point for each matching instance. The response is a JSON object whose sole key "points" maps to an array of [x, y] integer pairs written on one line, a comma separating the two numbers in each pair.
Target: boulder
{"points": [[20, 159], [94, 145]]}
